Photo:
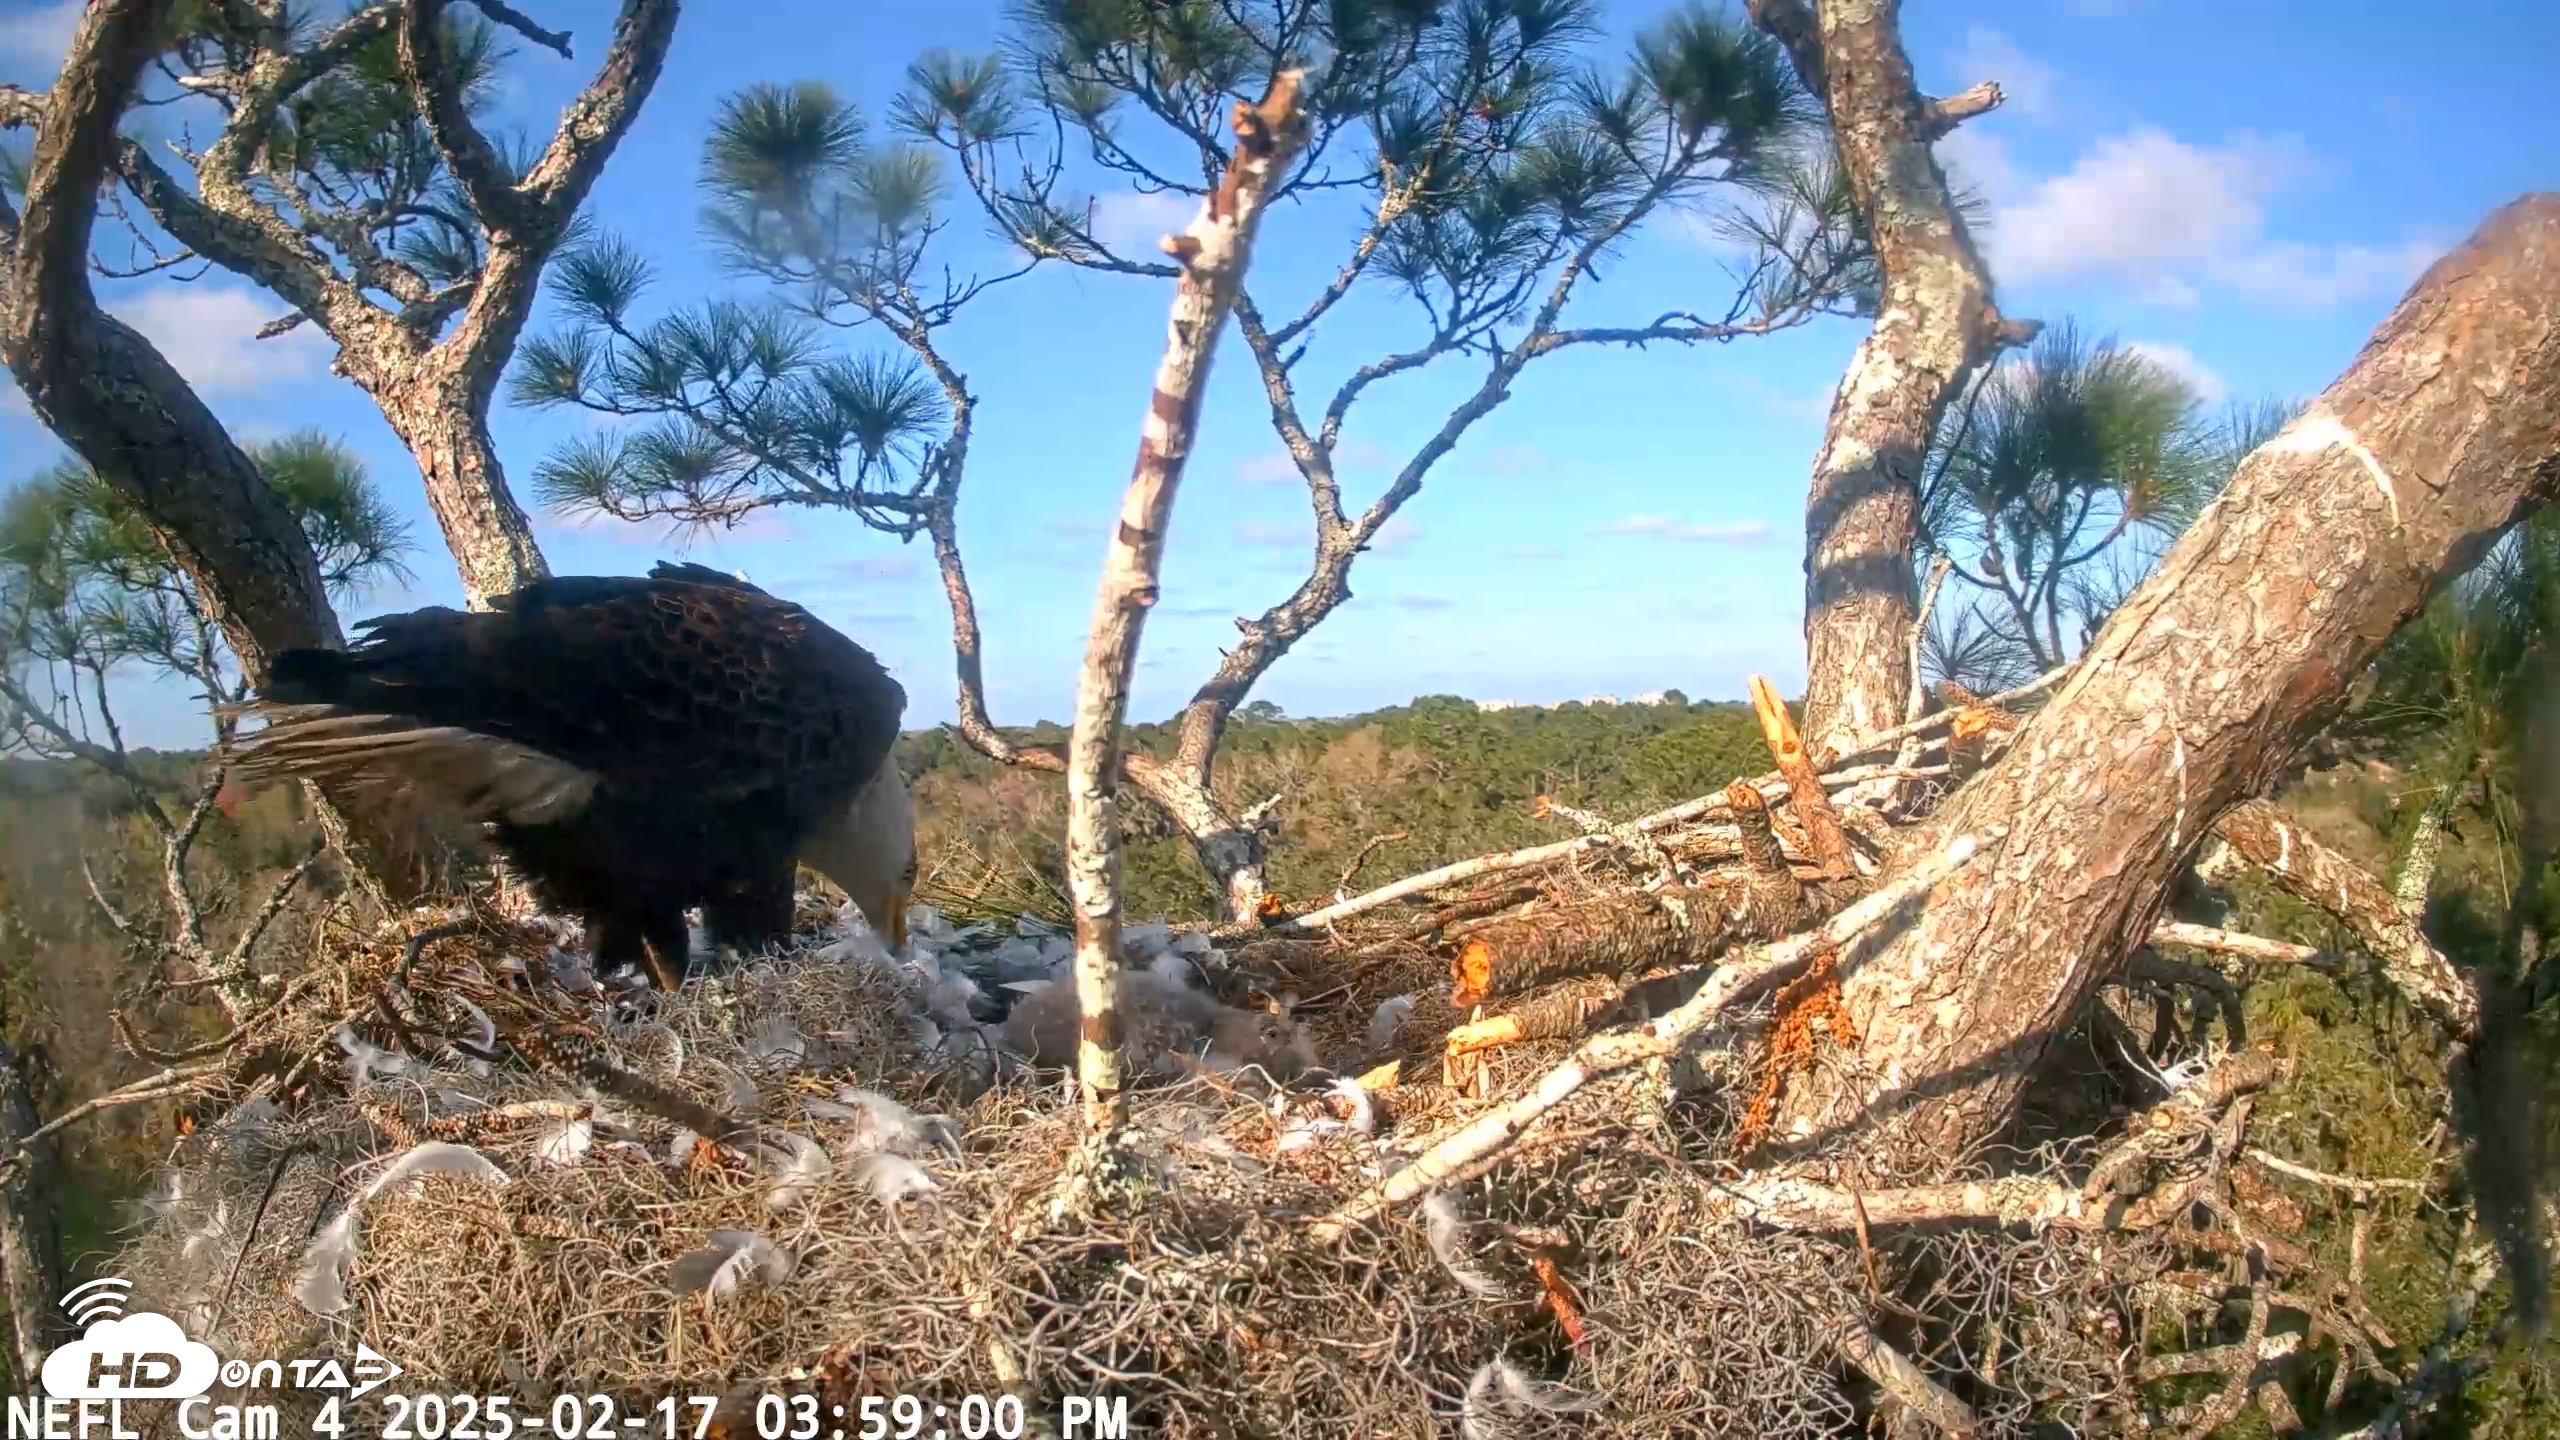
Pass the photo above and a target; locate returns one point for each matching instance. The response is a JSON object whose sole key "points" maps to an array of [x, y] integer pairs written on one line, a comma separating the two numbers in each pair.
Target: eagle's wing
{"points": [[397, 766], [662, 684], [700, 575]]}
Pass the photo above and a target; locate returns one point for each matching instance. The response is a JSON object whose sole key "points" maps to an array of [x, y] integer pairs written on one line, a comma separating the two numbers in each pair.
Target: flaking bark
{"points": [[1935, 324], [2196, 695], [1214, 253], [118, 403], [1625, 934]]}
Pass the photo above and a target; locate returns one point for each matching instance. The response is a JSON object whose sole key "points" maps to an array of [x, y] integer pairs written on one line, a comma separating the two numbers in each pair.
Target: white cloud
{"points": [[2139, 204], [2318, 275], [209, 332], [2180, 361], [2029, 85], [2173, 218], [36, 40], [67, 1370], [1737, 532], [1131, 222]]}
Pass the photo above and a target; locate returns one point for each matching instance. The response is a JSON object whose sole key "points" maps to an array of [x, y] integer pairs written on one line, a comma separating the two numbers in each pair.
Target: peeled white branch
{"points": [[1213, 254], [2257, 948]]}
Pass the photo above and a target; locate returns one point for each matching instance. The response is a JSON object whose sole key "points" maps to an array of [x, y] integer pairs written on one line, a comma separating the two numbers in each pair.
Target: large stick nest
{"points": [[1592, 1273]]}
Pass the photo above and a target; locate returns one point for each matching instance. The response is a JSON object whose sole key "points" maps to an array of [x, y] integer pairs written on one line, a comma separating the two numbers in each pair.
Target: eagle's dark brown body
{"points": [[637, 746]]}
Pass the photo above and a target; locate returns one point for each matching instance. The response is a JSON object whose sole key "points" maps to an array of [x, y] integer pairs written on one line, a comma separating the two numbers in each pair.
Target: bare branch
{"points": [[273, 906], [2317, 875], [2361, 1189], [2256, 948], [502, 13], [435, 87], [1214, 253], [98, 894], [176, 1080], [1894, 1374]]}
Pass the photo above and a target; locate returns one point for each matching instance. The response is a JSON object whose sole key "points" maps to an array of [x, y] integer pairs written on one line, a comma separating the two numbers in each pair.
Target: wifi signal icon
{"points": [[97, 1300]]}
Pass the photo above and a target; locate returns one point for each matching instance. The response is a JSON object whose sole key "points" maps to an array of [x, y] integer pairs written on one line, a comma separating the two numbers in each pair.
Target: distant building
{"points": [[1599, 699], [1652, 697], [1497, 704]]}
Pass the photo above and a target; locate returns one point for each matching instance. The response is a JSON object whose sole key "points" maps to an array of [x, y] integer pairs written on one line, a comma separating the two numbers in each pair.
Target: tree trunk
{"points": [[30, 1237], [487, 531], [2201, 688], [1935, 323], [100, 386]]}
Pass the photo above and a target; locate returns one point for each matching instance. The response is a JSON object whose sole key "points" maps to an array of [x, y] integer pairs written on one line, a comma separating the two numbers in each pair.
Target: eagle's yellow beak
{"points": [[897, 918]]}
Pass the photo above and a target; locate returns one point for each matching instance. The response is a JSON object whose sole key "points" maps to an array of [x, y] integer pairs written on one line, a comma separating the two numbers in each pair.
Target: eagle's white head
{"points": [[870, 852]]}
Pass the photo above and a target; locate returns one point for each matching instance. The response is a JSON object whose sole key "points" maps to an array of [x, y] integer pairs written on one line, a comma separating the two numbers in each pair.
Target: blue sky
{"points": [[2243, 188]]}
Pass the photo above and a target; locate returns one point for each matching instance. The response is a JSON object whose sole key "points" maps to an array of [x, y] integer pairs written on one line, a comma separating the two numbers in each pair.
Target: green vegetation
{"points": [[1433, 781]]}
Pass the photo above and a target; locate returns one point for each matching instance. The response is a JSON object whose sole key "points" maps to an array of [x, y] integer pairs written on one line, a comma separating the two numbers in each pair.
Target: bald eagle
{"points": [[636, 747]]}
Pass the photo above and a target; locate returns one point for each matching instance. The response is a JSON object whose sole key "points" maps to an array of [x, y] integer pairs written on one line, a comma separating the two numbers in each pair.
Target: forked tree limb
{"points": [[1935, 324], [2315, 874], [1748, 975], [1213, 254], [429, 352]]}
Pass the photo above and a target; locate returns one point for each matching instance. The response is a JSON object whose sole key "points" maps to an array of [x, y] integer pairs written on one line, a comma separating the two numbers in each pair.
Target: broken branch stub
{"points": [[1213, 252], [1813, 809]]}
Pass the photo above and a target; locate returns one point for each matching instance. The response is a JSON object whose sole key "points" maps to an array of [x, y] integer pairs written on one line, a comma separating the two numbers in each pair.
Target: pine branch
{"points": [[1214, 253]]}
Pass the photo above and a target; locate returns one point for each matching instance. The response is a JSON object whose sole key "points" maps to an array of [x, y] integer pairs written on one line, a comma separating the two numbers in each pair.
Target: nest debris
{"points": [[890, 1255]]}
